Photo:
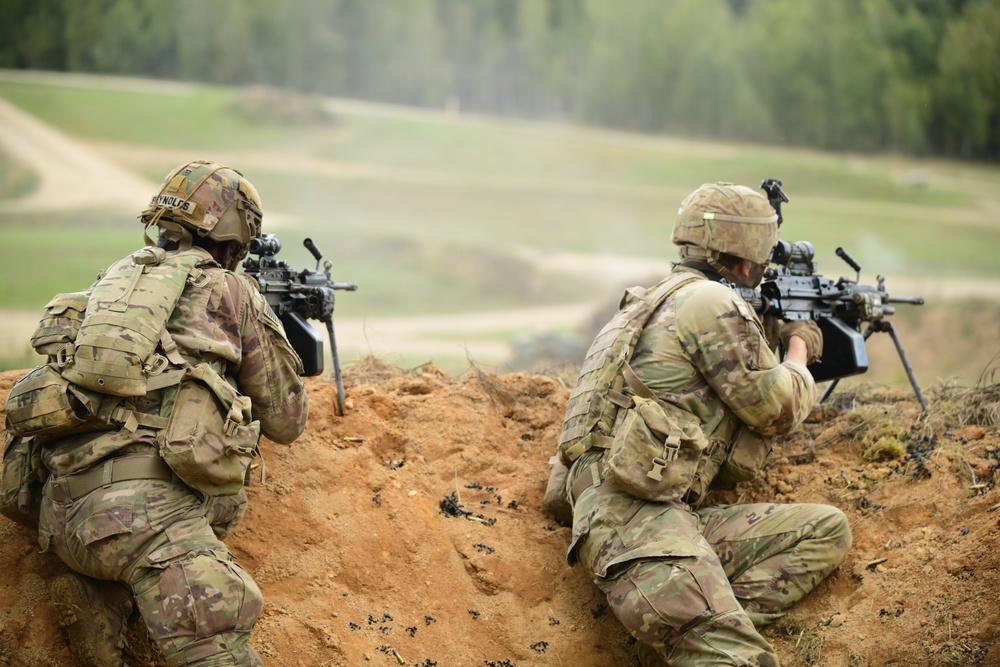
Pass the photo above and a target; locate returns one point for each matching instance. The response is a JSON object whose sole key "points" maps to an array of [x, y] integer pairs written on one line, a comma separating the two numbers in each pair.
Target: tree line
{"points": [[913, 76]]}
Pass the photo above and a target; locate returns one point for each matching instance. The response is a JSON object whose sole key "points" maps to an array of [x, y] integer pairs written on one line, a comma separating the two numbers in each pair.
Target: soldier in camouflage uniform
{"points": [[117, 514], [695, 583]]}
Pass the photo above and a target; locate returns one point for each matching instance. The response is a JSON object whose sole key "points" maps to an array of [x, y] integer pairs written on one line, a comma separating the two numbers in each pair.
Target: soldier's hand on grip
{"points": [[808, 331]]}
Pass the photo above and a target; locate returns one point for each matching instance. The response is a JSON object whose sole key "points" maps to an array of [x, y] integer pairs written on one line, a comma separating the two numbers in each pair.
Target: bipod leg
{"points": [[829, 390], [906, 364], [336, 368]]}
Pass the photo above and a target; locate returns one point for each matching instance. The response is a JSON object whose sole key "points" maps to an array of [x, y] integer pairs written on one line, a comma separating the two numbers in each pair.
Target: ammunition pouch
{"points": [[46, 405], [655, 451], [209, 439]]}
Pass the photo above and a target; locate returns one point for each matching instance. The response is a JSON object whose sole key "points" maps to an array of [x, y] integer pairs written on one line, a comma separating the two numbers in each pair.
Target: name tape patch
{"points": [[170, 201]]}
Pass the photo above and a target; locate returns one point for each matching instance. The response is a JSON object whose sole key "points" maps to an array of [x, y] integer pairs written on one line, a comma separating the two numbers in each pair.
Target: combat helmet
{"points": [[208, 199], [726, 218]]}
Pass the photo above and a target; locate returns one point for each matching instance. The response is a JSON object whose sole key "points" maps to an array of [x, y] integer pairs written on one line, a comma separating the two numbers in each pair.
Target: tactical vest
{"points": [[655, 450], [112, 344], [598, 396]]}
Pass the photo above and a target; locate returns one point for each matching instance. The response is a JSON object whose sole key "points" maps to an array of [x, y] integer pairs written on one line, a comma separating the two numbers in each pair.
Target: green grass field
{"points": [[430, 213]]}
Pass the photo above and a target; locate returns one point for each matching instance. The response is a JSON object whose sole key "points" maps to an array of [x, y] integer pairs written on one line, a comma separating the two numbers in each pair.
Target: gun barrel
{"points": [[915, 300], [350, 287]]}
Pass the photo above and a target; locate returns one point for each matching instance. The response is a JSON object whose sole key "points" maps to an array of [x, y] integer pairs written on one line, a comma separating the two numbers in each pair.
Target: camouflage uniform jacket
{"points": [[225, 320], [704, 350]]}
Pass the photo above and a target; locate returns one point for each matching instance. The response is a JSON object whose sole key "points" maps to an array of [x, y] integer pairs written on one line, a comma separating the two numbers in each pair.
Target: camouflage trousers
{"points": [[735, 569], [163, 540]]}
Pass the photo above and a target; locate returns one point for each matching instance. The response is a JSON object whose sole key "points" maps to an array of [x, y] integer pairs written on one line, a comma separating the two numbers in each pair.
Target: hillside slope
{"points": [[359, 565]]}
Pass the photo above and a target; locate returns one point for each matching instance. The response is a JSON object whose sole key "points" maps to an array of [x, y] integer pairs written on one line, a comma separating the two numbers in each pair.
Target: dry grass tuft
{"points": [[886, 448], [371, 369], [808, 642], [881, 431], [954, 407], [499, 397]]}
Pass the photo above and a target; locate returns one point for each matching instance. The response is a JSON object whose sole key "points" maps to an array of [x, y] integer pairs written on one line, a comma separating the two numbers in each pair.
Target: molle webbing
{"points": [[126, 320], [599, 393]]}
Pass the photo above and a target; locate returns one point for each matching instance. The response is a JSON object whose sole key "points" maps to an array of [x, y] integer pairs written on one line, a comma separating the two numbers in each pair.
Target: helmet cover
{"points": [[726, 218], [209, 199]]}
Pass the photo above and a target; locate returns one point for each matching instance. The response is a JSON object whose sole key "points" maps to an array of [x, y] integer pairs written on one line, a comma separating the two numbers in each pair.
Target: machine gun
{"points": [[793, 290], [298, 296]]}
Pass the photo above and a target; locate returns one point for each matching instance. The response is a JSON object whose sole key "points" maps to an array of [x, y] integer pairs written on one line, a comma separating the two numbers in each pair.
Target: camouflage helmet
{"points": [[208, 199], [725, 218]]}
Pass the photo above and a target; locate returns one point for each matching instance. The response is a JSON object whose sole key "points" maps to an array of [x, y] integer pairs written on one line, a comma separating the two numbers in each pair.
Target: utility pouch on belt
{"points": [[22, 480], [655, 451], [746, 456], [209, 439]]}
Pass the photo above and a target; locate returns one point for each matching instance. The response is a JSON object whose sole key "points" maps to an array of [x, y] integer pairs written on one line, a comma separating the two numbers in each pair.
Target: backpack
{"points": [[111, 343], [115, 348]]}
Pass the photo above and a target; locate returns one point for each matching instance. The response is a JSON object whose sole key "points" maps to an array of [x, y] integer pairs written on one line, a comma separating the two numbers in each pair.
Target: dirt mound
{"points": [[410, 532]]}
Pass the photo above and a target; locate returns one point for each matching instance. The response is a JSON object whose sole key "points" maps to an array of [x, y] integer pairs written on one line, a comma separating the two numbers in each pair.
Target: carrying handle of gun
{"points": [[311, 247], [841, 253]]}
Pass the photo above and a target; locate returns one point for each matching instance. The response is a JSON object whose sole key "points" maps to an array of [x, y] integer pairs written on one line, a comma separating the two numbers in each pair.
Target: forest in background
{"points": [[919, 77]]}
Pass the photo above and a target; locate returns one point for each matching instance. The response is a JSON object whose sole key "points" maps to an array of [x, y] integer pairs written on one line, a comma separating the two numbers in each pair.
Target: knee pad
{"points": [[201, 595], [656, 600]]}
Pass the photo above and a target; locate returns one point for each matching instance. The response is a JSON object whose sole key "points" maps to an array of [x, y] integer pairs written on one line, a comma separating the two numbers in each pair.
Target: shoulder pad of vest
{"points": [[149, 255]]}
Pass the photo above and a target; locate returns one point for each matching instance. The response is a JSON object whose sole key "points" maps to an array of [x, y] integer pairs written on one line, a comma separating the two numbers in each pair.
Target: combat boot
{"points": [[93, 614]]}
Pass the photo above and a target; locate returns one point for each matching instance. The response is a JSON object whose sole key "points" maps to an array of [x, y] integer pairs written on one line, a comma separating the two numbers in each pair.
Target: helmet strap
{"points": [[723, 270], [705, 259]]}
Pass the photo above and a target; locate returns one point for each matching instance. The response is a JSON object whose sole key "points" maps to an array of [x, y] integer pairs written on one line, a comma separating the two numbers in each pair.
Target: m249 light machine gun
{"points": [[298, 296], [793, 290]]}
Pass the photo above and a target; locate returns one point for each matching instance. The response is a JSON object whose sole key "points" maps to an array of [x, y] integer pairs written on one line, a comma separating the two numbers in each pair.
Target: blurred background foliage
{"points": [[913, 76], [494, 172]]}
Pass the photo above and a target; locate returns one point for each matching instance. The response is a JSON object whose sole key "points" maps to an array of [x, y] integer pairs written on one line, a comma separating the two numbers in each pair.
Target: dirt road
{"points": [[70, 175]]}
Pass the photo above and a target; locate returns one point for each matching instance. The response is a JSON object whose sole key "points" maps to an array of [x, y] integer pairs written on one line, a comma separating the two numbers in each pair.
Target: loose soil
{"points": [[354, 540]]}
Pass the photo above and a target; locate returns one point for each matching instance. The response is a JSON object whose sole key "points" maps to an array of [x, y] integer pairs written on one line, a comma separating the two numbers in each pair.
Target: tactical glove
{"points": [[808, 331]]}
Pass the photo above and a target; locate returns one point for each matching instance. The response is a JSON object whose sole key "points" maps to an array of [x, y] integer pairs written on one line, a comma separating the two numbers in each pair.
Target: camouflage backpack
{"points": [[101, 345], [111, 343]]}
